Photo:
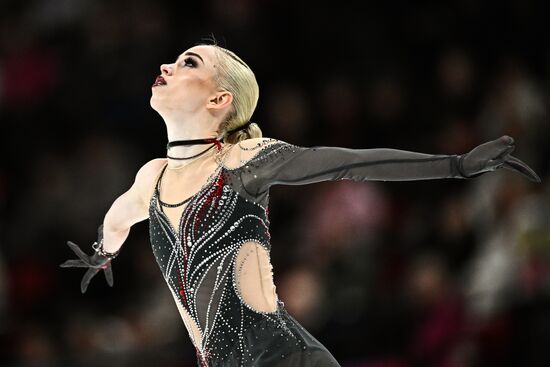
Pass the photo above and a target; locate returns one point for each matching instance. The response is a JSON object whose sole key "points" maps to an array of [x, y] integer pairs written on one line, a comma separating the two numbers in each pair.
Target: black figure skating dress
{"points": [[216, 263]]}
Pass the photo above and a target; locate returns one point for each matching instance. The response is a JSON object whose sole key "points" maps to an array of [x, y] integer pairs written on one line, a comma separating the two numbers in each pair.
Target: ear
{"points": [[220, 101]]}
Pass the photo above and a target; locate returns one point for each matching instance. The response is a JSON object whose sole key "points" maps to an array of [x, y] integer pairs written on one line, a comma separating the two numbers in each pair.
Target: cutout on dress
{"points": [[254, 277]]}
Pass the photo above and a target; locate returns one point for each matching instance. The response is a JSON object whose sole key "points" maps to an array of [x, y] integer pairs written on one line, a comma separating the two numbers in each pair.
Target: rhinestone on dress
{"points": [[204, 275]]}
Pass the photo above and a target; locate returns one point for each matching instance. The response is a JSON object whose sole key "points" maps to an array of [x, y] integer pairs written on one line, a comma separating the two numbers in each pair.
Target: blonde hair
{"points": [[237, 78]]}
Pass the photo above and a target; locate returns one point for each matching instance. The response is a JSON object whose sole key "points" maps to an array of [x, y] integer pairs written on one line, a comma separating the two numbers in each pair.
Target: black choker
{"points": [[176, 143], [214, 142]]}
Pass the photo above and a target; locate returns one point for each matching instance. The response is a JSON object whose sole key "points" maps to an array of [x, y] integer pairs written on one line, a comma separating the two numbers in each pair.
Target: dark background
{"points": [[399, 274]]}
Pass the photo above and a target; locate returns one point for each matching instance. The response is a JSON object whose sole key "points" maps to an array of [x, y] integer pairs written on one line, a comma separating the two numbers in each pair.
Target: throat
{"points": [[188, 150]]}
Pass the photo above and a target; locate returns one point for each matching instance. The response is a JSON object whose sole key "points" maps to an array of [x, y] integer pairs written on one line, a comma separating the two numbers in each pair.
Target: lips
{"points": [[159, 81]]}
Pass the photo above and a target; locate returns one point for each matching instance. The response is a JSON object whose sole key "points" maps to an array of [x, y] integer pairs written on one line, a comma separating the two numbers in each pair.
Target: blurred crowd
{"points": [[399, 274]]}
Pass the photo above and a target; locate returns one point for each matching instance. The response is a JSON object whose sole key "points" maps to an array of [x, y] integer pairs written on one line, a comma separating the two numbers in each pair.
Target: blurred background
{"points": [[399, 274]]}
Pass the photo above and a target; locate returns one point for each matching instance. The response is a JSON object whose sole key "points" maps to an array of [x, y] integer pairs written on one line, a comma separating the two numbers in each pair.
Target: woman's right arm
{"points": [[131, 207]]}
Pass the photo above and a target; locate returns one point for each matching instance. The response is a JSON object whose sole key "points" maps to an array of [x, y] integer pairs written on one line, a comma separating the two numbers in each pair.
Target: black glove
{"points": [[492, 155], [96, 262]]}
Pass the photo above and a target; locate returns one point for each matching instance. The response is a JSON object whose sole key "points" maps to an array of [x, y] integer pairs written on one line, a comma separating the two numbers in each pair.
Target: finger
{"points": [[109, 275], [81, 254], [86, 279], [505, 151], [504, 140], [514, 164], [507, 139], [74, 264], [494, 149]]}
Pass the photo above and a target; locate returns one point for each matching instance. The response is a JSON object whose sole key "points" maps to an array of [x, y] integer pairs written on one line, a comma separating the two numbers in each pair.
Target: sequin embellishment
{"points": [[199, 264]]}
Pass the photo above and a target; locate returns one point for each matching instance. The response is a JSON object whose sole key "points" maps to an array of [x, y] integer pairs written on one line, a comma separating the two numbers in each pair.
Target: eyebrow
{"points": [[193, 54]]}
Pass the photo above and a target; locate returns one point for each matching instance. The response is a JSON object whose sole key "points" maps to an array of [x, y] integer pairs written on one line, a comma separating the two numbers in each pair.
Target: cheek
{"points": [[194, 87], [205, 86], [188, 95]]}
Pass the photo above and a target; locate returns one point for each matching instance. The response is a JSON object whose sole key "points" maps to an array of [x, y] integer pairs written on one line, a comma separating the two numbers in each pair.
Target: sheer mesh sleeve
{"points": [[283, 163]]}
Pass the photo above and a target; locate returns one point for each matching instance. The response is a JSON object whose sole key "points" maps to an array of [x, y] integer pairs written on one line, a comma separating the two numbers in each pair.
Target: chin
{"points": [[155, 103], [159, 107]]}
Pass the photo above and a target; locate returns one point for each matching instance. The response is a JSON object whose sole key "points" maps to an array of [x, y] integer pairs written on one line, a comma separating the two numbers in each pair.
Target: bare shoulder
{"points": [[147, 175], [243, 151], [150, 168]]}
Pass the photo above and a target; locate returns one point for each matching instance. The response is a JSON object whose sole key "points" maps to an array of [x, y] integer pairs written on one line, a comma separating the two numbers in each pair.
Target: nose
{"points": [[166, 69]]}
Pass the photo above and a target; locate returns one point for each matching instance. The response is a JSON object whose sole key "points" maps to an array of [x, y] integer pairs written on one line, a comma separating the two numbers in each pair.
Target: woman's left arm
{"points": [[283, 163]]}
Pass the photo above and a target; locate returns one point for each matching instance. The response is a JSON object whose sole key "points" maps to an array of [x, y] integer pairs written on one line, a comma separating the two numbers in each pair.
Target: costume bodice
{"points": [[215, 264]]}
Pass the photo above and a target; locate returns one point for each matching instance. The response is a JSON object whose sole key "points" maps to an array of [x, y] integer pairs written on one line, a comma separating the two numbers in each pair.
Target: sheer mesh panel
{"points": [[190, 324], [210, 292], [258, 166]]}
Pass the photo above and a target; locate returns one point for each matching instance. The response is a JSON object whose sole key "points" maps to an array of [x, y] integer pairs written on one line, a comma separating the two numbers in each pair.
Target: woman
{"points": [[207, 204]]}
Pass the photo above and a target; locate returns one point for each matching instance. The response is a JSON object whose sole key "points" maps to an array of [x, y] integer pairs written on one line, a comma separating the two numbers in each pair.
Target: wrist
{"points": [[98, 248], [457, 168]]}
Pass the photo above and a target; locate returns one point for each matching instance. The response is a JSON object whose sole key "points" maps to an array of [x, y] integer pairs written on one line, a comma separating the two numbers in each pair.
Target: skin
{"points": [[192, 107]]}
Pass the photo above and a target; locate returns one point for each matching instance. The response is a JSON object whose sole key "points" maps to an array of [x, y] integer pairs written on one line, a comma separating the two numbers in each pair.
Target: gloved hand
{"points": [[94, 263], [492, 155]]}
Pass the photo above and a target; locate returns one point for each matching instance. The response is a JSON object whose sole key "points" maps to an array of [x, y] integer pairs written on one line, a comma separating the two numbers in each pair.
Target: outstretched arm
{"points": [[128, 209], [282, 163]]}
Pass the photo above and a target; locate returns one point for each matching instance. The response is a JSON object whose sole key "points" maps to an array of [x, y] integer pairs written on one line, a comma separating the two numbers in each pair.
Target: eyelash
{"points": [[189, 61]]}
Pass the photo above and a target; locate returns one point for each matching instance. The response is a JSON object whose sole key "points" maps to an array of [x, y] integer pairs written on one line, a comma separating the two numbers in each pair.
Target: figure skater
{"points": [[207, 205]]}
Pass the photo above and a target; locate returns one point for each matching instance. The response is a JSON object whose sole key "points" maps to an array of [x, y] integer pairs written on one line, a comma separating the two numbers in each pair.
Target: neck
{"points": [[181, 130]]}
